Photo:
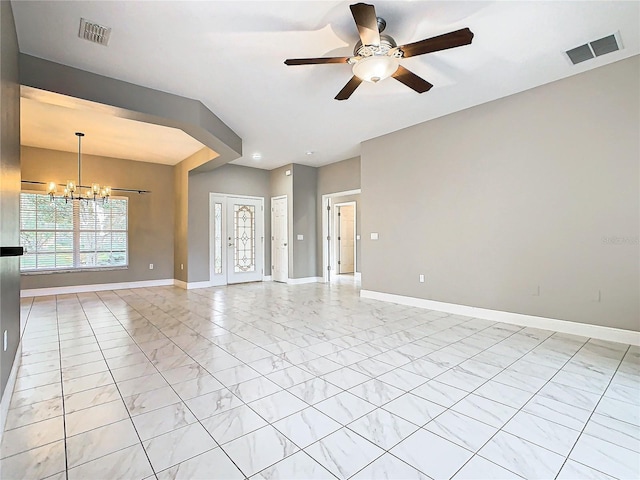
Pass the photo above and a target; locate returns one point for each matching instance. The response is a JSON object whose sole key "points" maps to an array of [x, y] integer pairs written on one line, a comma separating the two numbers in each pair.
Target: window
{"points": [[60, 235]]}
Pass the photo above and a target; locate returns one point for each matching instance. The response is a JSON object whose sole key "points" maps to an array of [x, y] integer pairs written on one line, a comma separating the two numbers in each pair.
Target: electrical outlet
{"points": [[421, 278], [374, 236], [151, 266], [300, 237], [182, 266], [5, 341]]}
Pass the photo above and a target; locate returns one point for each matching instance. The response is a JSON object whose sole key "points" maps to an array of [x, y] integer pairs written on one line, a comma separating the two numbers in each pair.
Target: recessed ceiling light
{"points": [[256, 156], [309, 153]]}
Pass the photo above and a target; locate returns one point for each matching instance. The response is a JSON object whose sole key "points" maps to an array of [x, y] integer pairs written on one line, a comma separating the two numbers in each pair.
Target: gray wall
{"points": [[304, 221], [9, 190], [333, 178], [151, 216], [539, 189], [231, 180]]}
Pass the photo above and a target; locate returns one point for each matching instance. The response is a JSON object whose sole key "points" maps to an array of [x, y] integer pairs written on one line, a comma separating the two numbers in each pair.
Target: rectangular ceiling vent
{"points": [[602, 46], [93, 32]]}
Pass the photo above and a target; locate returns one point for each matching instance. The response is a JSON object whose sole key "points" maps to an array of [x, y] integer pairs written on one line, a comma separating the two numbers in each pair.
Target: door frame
{"points": [[327, 201], [259, 235], [273, 246], [336, 229]]}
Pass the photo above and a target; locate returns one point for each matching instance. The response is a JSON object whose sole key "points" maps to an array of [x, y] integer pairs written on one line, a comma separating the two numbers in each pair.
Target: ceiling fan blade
{"points": [[315, 61], [349, 88], [411, 80], [435, 44], [367, 23]]}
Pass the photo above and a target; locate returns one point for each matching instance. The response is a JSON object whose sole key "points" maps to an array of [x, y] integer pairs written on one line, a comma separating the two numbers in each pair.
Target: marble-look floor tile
{"points": [[547, 434], [522, 457], [388, 467], [35, 395], [277, 406], [182, 374], [232, 424], [196, 387], [133, 371], [211, 465], [233, 376], [178, 445], [315, 390], [376, 392], [570, 396], [440, 393], [163, 420], [37, 380], [346, 378], [623, 411], [148, 401], [99, 442], [254, 389], [413, 408], [320, 366], [87, 382], [40, 462], [624, 393], [260, 449], [290, 376], [306, 426], [297, 466], [479, 468], [371, 367], [93, 417], [141, 385], [573, 470], [461, 430], [383, 428], [344, 453], [345, 407], [461, 379], [514, 397], [130, 463], [270, 364], [402, 379], [485, 410], [431, 454], [31, 436], [32, 413], [558, 412], [611, 430], [606, 457], [209, 404]]}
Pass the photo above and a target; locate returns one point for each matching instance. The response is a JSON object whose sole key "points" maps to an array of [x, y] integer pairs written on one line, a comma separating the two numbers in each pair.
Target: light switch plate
{"points": [[374, 236], [300, 237], [357, 237]]}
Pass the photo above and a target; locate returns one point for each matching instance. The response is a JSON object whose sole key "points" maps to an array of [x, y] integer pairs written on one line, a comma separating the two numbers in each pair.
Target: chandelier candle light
{"points": [[72, 190]]}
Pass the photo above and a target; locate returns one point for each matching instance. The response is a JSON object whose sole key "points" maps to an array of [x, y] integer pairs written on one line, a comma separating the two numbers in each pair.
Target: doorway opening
{"points": [[341, 236], [236, 239]]}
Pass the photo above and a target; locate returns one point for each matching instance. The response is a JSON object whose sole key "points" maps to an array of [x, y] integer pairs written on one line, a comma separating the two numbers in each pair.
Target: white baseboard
{"points": [[564, 326], [358, 275], [96, 287], [8, 390], [266, 278], [192, 285], [300, 281]]}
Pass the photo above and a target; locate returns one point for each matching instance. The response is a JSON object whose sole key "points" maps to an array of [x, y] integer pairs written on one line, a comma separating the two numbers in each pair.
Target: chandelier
{"points": [[74, 190]]}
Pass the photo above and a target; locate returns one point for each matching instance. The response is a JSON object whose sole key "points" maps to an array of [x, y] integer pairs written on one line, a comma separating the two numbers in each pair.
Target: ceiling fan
{"points": [[376, 56]]}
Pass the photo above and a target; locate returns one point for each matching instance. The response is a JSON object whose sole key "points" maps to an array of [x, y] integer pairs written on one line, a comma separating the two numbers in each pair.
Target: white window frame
{"points": [[76, 232]]}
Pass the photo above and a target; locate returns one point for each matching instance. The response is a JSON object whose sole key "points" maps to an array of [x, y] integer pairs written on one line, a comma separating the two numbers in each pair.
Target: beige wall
{"points": [[536, 190], [151, 216]]}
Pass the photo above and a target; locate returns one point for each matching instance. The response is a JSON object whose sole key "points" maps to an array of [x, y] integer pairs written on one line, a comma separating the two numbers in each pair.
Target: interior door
{"points": [[346, 238], [279, 240], [237, 239]]}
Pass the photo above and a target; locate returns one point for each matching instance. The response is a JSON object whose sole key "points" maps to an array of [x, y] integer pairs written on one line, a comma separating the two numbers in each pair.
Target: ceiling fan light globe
{"points": [[375, 68]]}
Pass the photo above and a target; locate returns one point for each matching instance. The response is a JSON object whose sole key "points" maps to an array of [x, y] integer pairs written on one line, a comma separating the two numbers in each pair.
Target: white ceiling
{"points": [[49, 120], [229, 55]]}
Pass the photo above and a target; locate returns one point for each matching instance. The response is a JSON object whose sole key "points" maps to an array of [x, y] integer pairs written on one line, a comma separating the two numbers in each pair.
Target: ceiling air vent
{"points": [[93, 32], [594, 49]]}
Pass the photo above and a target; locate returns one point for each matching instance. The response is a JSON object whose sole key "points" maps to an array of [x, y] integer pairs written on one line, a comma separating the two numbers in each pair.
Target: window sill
{"points": [[73, 270]]}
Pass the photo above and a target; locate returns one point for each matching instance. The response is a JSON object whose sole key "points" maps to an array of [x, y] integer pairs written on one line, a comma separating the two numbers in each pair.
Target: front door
{"points": [[279, 240], [236, 239]]}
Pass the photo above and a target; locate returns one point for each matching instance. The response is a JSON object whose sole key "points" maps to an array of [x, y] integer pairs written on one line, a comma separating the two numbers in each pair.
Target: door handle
{"points": [[284, 244], [231, 244]]}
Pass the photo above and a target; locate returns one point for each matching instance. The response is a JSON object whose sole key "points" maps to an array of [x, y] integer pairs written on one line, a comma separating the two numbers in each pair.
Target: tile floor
{"points": [[271, 381]]}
